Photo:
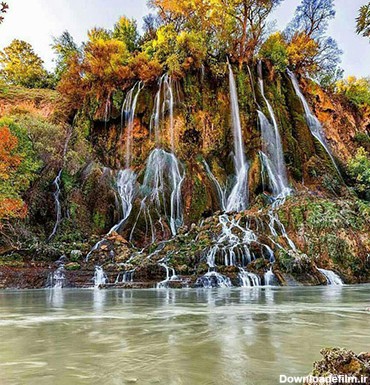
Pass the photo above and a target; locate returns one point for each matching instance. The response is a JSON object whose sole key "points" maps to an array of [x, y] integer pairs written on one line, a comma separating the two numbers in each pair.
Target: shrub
{"points": [[359, 169], [356, 90]]}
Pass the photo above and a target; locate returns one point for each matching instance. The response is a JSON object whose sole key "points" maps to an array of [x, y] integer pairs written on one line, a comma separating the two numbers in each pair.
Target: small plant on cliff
{"points": [[356, 90], [359, 169]]}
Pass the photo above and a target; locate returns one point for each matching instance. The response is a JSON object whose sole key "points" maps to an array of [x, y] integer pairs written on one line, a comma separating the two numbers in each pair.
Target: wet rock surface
{"points": [[342, 362]]}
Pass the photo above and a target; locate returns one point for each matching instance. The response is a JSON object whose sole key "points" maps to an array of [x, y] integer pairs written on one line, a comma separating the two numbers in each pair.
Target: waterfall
{"points": [[126, 179], [56, 184], [163, 104], [127, 276], [272, 154], [126, 187], [312, 122], [248, 279], [331, 277], [57, 278], [269, 277], [58, 207], [100, 278], [238, 198], [162, 184], [127, 117], [164, 175], [220, 191], [212, 279], [170, 276]]}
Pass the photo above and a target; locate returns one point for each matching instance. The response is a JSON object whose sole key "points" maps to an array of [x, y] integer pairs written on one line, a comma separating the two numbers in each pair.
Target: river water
{"points": [[173, 337]]}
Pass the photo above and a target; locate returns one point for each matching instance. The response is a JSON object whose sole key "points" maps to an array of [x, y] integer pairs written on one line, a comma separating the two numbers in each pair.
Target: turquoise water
{"points": [[187, 337]]}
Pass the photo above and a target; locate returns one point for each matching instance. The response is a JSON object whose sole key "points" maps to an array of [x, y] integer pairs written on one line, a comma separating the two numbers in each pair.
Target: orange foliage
{"points": [[145, 69], [102, 70], [12, 208], [8, 161], [302, 52]]}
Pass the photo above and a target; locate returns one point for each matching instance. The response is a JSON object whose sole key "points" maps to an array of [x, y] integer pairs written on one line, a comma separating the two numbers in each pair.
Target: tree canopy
{"points": [[20, 65], [320, 56], [363, 21]]}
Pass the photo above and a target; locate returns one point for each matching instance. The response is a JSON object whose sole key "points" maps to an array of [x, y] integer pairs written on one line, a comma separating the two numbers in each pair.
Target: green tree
{"points": [[275, 50], [64, 47], [363, 21], [359, 169], [125, 30], [21, 66]]}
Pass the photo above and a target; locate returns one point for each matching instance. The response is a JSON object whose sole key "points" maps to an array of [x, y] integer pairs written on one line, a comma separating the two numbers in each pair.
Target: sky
{"points": [[37, 21]]}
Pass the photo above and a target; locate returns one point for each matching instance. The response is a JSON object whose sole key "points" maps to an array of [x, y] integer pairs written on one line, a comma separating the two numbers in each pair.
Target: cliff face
{"points": [[200, 136]]}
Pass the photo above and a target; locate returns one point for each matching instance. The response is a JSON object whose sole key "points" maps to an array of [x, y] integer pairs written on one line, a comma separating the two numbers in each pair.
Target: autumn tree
{"points": [[3, 9], [10, 206], [363, 21], [310, 23], [20, 65], [9, 161], [18, 166], [125, 30], [236, 26], [105, 65]]}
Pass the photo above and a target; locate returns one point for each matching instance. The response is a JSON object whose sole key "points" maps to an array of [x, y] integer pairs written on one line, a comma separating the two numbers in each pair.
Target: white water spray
{"points": [[100, 278], [331, 277], [238, 198]]}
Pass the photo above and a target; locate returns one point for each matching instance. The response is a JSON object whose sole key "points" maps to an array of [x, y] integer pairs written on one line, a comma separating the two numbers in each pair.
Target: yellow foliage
{"points": [[302, 51]]}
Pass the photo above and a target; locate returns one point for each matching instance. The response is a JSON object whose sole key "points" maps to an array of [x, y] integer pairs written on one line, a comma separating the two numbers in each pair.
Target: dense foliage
{"points": [[359, 168], [363, 21], [356, 90], [18, 165], [20, 65]]}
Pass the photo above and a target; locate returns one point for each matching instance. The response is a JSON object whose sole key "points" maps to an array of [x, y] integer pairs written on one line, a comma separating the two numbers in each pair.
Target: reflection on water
{"points": [[180, 337]]}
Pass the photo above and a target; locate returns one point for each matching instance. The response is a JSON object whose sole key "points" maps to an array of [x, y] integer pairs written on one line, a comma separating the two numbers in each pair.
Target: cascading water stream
{"points": [[58, 206], [127, 276], [269, 277], [126, 187], [57, 278], [312, 121], [220, 191], [248, 279], [331, 277], [238, 198], [272, 150], [56, 184], [170, 276], [126, 179], [100, 278], [233, 245], [164, 175], [127, 118]]}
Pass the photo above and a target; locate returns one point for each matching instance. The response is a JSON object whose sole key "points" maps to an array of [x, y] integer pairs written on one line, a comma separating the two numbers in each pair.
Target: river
{"points": [[175, 337]]}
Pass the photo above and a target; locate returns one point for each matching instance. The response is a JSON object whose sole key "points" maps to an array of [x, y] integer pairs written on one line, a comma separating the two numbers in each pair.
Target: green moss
{"points": [[99, 220]]}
